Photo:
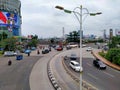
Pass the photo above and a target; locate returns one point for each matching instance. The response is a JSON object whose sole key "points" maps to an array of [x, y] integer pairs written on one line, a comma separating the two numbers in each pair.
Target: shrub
{"points": [[113, 55]]}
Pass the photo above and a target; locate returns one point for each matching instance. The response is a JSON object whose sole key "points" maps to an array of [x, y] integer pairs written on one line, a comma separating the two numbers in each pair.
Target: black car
{"points": [[99, 64], [45, 51]]}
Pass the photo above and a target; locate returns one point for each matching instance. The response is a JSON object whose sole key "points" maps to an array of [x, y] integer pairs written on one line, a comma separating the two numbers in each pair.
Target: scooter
{"points": [[9, 62]]}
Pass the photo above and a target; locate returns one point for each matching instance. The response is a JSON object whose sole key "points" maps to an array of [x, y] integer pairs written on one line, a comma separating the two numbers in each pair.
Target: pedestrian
{"points": [[9, 62], [38, 52], [28, 53]]}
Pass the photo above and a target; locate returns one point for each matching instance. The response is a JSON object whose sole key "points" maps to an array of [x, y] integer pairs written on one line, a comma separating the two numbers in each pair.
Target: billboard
{"points": [[10, 20]]}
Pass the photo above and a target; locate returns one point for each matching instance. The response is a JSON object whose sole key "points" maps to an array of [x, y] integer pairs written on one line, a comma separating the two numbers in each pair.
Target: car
{"points": [[89, 49], [73, 56], [73, 45], [27, 51], [33, 48], [58, 48], [83, 45], [10, 53], [99, 64], [45, 51], [68, 47], [65, 57], [76, 66]]}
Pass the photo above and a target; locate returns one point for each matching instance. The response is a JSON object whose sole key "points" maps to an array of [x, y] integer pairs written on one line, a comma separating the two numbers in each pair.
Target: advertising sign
{"points": [[9, 19]]}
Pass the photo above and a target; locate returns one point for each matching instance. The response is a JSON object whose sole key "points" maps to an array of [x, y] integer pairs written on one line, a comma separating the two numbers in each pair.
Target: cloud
{"points": [[42, 18]]}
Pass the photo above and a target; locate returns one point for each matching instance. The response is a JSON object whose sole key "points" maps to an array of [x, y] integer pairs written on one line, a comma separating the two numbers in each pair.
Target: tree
{"points": [[3, 36], [73, 37], [9, 44], [114, 42]]}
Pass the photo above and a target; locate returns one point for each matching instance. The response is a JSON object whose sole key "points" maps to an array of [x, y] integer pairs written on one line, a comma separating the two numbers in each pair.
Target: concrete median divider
{"points": [[52, 78]]}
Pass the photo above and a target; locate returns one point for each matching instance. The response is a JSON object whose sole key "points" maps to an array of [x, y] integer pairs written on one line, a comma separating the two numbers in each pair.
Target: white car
{"points": [[76, 66], [89, 49]]}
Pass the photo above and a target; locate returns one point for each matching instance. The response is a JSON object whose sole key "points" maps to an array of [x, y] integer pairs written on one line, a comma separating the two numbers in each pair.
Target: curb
{"points": [[85, 85], [51, 77], [95, 54]]}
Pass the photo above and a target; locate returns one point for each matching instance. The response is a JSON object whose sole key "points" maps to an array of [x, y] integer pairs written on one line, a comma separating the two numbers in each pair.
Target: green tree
{"points": [[73, 37], [114, 42], [33, 43], [9, 44]]}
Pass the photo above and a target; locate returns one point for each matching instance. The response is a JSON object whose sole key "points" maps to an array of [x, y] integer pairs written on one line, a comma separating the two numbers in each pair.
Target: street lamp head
{"points": [[98, 13], [67, 11], [94, 14], [59, 7]]}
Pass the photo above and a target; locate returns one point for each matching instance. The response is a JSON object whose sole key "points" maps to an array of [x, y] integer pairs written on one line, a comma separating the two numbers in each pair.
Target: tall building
{"points": [[111, 33], [10, 17]]}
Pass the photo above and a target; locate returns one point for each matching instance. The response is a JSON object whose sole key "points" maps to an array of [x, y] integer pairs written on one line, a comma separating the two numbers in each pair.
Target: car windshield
{"points": [[73, 54], [101, 63], [78, 65]]}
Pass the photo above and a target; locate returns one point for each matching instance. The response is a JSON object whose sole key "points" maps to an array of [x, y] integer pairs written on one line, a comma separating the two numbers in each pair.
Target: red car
{"points": [[59, 48]]}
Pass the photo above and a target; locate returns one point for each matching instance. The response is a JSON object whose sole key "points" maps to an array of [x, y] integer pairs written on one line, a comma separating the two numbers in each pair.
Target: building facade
{"points": [[10, 17]]}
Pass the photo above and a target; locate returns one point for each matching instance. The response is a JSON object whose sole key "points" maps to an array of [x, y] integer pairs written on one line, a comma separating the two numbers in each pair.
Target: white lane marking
{"points": [[89, 64], [116, 71], [92, 76], [109, 74]]}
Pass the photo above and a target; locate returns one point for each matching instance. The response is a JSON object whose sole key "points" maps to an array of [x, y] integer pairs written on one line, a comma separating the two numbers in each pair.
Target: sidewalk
{"points": [[95, 53]]}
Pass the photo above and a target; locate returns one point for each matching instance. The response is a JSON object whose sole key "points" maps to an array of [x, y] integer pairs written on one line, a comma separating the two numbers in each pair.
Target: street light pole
{"points": [[81, 45], [80, 20]]}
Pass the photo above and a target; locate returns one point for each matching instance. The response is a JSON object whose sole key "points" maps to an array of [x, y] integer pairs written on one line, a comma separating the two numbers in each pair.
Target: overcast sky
{"points": [[40, 17]]}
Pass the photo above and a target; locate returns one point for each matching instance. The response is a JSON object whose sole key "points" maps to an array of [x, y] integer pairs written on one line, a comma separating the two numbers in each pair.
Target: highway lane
{"points": [[65, 81], [16, 76], [102, 79]]}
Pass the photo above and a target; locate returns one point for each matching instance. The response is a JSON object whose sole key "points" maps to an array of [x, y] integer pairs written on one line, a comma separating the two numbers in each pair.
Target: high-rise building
{"points": [[111, 33], [10, 17]]}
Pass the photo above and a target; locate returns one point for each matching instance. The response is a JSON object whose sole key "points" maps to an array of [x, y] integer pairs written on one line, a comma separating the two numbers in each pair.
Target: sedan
{"points": [[76, 66], [45, 51], [99, 64], [27, 51], [73, 56], [59, 48], [89, 49]]}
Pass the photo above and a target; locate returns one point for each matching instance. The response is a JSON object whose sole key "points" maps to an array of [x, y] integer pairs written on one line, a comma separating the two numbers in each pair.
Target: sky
{"points": [[40, 17]]}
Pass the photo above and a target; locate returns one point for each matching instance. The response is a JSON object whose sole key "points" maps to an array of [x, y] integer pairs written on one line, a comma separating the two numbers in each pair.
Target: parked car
{"points": [[89, 49], [99, 64], [76, 66], [73, 56], [10, 53], [45, 51], [27, 51], [33, 48]]}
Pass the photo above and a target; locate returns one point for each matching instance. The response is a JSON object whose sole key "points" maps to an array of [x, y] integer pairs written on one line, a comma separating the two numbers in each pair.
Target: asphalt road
{"points": [[64, 80], [16, 76], [102, 79]]}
